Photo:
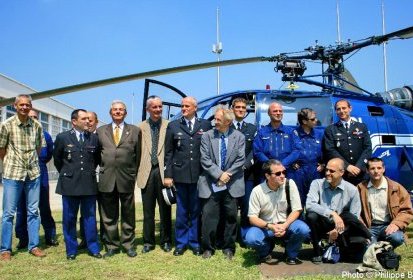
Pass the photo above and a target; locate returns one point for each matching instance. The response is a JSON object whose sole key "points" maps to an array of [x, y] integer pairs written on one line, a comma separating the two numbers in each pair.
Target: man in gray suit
{"points": [[221, 182], [120, 147]]}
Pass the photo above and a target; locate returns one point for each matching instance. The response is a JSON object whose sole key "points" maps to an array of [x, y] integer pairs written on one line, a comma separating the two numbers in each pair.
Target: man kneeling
{"points": [[274, 208]]}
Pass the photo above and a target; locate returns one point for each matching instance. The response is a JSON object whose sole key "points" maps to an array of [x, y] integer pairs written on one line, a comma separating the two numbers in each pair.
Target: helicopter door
{"points": [[171, 97]]}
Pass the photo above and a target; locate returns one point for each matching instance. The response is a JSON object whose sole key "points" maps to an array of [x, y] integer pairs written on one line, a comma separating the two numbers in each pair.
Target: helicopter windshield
{"points": [[291, 105]]}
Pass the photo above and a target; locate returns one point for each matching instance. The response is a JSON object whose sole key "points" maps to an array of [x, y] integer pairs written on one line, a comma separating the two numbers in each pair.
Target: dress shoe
{"points": [[317, 259], [179, 251], [96, 255], [293, 261], [131, 253], [5, 256], [82, 245], [207, 254], [166, 247], [147, 248], [22, 245], [267, 259], [228, 254], [71, 257], [111, 253], [52, 242], [37, 252], [196, 251]]}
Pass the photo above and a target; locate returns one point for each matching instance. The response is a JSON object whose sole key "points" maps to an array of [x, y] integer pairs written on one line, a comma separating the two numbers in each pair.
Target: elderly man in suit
{"points": [[76, 156], [151, 176], [221, 182], [120, 148], [182, 168]]}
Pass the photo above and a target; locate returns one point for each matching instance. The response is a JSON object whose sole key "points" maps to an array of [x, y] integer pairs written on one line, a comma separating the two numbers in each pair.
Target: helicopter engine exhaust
{"points": [[400, 97]]}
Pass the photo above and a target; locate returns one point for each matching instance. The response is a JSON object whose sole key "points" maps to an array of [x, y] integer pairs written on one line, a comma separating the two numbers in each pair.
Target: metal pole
{"points": [[338, 21], [384, 46], [217, 48]]}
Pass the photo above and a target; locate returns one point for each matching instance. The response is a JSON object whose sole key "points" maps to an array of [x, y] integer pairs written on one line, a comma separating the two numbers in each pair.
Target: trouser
{"points": [[378, 233], [46, 217], [87, 205], [150, 194], [12, 190], [263, 240], [188, 210]]}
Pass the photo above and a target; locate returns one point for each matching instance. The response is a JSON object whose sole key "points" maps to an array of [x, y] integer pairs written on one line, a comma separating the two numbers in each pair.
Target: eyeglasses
{"points": [[331, 170], [313, 119], [279, 173]]}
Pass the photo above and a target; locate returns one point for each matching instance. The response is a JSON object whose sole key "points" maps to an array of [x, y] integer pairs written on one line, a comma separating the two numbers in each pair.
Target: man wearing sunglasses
{"points": [[333, 208], [274, 209]]}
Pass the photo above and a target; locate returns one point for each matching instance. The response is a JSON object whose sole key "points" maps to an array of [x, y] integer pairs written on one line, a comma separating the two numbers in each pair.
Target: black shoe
{"points": [[317, 259], [166, 247], [82, 245], [52, 242], [228, 254], [97, 255], [293, 261], [111, 253], [147, 248], [22, 245], [71, 257], [196, 251], [207, 254], [131, 253], [179, 251]]}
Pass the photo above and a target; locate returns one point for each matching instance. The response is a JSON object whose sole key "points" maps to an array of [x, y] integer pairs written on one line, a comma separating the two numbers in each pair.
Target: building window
{"points": [[65, 125], [44, 120], [56, 129]]}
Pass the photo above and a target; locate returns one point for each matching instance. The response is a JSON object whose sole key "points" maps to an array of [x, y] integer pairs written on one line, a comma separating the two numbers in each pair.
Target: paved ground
{"points": [[56, 199]]}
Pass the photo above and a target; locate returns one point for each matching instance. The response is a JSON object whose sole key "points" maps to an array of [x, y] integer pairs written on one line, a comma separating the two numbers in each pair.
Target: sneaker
{"points": [[317, 259], [267, 259]]}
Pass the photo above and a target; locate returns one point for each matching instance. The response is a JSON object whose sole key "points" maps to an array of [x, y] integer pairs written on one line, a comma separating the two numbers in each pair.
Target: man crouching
{"points": [[274, 208]]}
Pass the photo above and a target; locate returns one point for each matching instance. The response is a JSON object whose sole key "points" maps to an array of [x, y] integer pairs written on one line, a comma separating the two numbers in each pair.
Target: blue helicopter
{"points": [[388, 115]]}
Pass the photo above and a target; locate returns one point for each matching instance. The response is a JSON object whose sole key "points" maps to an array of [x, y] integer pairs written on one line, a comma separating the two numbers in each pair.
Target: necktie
{"points": [[346, 126], [116, 135], [155, 140], [238, 126], [223, 152], [190, 126], [81, 139]]}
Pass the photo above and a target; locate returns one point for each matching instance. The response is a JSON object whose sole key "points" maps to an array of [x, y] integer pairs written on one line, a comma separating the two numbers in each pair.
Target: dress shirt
{"points": [[323, 200], [377, 198]]}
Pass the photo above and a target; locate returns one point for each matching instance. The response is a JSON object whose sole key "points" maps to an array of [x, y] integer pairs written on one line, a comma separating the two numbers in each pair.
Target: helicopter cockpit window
{"points": [[291, 105]]}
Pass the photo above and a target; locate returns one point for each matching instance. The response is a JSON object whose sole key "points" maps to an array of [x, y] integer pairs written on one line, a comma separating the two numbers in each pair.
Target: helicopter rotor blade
{"points": [[136, 76]]}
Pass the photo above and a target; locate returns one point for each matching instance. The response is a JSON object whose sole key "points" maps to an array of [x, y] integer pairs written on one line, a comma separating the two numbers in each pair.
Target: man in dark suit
{"points": [[221, 181], [239, 106], [120, 149], [151, 176], [182, 168], [349, 140], [76, 156]]}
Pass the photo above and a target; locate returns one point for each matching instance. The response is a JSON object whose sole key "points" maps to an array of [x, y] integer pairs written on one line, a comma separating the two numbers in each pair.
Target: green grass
{"points": [[154, 265]]}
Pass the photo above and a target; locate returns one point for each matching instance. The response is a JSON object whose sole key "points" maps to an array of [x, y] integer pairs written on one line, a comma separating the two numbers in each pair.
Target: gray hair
{"points": [[152, 98]]}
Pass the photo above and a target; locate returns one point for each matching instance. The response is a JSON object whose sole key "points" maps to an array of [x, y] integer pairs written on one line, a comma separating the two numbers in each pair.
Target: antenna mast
{"points": [[217, 49], [384, 46], [338, 22]]}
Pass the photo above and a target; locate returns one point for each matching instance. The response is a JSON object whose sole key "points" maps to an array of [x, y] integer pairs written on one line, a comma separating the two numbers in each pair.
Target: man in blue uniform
{"points": [[277, 141], [310, 165], [182, 168], [349, 140], [239, 107], [76, 156], [46, 218]]}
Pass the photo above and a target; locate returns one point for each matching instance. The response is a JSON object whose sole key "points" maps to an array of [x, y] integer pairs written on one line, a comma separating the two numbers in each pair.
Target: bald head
{"points": [[275, 112], [334, 171]]}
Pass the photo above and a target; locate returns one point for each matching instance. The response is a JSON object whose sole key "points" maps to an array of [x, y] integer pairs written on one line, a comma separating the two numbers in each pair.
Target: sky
{"points": [[48, 44]]}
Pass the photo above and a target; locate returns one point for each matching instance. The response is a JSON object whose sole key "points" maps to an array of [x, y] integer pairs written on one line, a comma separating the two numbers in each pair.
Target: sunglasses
{"points": [[279, 173], [313, 119], [330, 170]]}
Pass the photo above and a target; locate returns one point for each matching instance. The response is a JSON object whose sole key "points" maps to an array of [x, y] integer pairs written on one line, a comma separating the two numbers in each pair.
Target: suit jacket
{"points": [[182, 150], [145, 161], [234, 162], [76, 163], [119, 164], [354, 148], [249, 130]]}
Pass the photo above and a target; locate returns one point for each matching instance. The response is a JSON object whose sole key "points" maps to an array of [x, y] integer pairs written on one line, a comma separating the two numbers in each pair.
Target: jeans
{"points": [[378, 234], [11, 194], [263, 240]]}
